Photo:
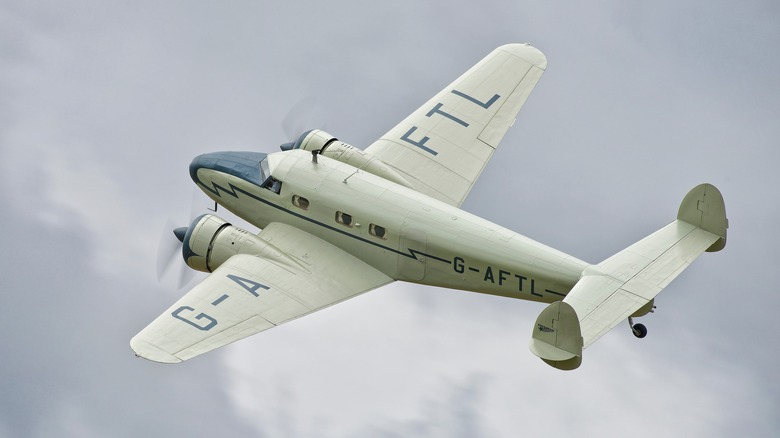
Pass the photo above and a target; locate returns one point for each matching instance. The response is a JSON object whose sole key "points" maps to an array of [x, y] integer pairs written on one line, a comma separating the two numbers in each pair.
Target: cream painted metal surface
{"points": [[443, 147], [627, 282], [624, 283], [337, 221], [248, 294]]}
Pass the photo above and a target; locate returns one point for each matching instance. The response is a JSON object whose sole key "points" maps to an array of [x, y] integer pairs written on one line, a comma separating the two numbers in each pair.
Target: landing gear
{"points": [[639, 330]]}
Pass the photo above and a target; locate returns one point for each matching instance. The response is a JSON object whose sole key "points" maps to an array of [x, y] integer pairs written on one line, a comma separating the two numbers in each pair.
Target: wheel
{"points": [[640, 331]]}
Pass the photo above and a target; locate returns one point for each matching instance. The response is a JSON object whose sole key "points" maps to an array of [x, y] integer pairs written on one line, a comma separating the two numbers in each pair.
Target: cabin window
{"points": [[377, 230], [344, 218], [300, 202], [273, 185]]}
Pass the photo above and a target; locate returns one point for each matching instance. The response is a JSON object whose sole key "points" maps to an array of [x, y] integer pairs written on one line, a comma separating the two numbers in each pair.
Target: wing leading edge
{"points": [[248, 294], [442, 148]]}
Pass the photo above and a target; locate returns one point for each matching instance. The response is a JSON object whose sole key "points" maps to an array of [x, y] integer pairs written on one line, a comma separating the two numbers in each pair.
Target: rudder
{"points": [[703, 207], [557, 338]]}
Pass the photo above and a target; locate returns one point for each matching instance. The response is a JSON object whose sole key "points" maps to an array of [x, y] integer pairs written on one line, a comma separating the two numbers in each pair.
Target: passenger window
{"points": [[378, 231], [344, 218], [300, 202]]}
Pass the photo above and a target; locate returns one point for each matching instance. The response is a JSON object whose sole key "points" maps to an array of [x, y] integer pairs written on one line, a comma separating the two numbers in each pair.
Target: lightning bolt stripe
{"points": [[234, 191]]}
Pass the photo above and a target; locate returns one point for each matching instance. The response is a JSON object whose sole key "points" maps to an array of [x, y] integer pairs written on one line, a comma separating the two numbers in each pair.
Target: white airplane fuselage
{"points": [[404, 234], [338, 221]]}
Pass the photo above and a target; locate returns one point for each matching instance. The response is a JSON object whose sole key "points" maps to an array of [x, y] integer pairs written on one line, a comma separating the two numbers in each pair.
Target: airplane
{"points": [[336, 221]]}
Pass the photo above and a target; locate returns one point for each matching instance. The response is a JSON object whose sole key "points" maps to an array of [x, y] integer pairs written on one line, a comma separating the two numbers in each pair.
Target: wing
{"points": [[442, 148], [248, 294]]}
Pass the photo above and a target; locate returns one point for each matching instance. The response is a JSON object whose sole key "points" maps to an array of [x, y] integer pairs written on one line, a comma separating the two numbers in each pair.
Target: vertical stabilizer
{"points": [[703, 207], [557, 338]]}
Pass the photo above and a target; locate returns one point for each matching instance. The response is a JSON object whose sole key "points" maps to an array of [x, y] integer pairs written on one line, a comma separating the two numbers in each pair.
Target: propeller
{"points": [[180, 233], [169, 255], [301, 118], [169, 249]]}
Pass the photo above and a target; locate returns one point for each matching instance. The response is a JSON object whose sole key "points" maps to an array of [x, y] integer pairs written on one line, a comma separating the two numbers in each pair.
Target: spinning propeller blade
{"points": [[301, 118], [169, 251]]}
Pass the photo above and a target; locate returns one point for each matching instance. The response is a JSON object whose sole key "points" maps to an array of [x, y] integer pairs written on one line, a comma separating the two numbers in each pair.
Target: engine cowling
{"points": [[211, 240], [329, 146]]}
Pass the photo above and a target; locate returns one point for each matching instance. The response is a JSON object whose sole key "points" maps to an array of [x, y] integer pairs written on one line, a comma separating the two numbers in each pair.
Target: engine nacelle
{"points": [[329, 146], [210, 241]]}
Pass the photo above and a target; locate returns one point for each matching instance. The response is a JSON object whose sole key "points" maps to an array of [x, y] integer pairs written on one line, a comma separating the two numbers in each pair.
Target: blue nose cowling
{"points": [[244, 165]]}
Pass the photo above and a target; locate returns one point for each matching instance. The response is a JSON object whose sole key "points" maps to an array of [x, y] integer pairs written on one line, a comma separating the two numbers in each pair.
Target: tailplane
{"points": [[625, 285]]}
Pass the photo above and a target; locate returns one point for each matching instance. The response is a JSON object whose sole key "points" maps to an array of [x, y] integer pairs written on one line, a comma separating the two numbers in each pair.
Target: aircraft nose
{"points": [[244, 165]]}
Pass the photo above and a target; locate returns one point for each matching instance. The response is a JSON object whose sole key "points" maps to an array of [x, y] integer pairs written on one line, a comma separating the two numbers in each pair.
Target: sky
{"points": [[104, 104]]}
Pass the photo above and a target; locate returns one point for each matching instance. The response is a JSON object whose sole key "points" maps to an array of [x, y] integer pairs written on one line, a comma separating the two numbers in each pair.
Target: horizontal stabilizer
{"points": [[626, 283], [556, 338]]}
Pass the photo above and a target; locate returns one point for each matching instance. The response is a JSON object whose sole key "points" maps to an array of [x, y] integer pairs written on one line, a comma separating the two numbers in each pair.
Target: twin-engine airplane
{"points": [[338, 221]]}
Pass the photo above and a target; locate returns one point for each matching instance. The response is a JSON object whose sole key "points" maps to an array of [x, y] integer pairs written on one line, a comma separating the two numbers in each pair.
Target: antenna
{"points": [[314, 156], [350, 176]]}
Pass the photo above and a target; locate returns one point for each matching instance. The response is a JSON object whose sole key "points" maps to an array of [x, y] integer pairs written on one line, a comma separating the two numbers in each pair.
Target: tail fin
{"points": [[618, 287], [556, 337], [703, 207]]}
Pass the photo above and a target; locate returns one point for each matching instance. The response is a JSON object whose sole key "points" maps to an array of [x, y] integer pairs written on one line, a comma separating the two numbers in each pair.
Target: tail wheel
{"points": [[639, 330]]}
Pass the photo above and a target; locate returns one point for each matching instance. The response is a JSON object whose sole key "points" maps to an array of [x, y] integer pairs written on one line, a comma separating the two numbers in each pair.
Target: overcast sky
{"points": [[104, 104]]}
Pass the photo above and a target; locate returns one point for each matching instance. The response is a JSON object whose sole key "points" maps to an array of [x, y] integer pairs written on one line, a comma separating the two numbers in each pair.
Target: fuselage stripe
{"points": [[232, 192]]}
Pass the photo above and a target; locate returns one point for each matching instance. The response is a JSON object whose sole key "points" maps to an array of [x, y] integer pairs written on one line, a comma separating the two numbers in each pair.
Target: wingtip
{"points": [[527, 52], [152, 352]]}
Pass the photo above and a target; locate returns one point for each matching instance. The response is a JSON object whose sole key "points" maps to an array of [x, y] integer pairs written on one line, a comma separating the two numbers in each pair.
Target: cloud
{"points": [[68, 370]]}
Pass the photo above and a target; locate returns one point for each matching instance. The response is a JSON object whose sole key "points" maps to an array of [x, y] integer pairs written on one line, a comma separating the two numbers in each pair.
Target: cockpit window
{"points": [[273, 185], [264, 171], [270, 182]]}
